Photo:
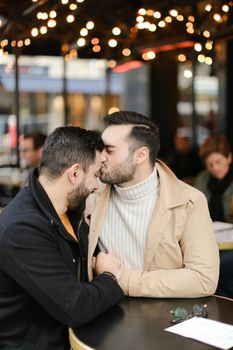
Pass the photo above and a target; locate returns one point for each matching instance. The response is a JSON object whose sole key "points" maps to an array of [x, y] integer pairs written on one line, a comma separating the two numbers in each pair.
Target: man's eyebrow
{"points": [[109, 146]]}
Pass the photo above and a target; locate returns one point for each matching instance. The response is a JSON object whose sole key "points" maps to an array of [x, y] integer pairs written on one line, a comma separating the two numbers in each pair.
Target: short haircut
{"points": [[144, 132], [214, 144], [38, 139], [66, 146]]}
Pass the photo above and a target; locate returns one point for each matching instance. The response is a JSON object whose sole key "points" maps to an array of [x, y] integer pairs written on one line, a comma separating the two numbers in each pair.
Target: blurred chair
{"points": [[75, 343]]}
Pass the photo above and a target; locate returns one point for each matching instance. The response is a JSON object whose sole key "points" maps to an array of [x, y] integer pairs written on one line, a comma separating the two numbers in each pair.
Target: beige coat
{"points": [[181, 258]]}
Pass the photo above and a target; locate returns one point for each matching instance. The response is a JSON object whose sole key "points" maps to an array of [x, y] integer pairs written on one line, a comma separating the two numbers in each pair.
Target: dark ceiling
{"points": [[17, 18]]}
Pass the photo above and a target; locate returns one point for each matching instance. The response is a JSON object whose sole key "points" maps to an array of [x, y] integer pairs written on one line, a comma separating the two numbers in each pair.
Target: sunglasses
{"points": [[180, 314]]}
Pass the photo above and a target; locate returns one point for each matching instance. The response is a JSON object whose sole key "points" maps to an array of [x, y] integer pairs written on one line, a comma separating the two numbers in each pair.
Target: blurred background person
{"points": [[185, 161], [217, 180], [217, 184], [31, 146]]}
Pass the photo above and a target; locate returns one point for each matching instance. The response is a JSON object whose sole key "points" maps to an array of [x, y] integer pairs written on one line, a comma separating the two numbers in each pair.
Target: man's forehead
{"points": [[115, 133]]}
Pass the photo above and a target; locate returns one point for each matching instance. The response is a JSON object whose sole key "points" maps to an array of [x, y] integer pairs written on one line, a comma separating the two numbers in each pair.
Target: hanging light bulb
{"points": [[70, 18], [90, 25], [112, 43], [197, 47], [34, 32], [116, 31]]}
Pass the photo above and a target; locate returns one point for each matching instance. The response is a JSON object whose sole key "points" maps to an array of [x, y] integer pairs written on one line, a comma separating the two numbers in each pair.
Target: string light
{"points": [[208, 7], [182, 57], [208, 60], [112, 43], [150, 12], [116, 31], [95, 41], [146, 19], [70, 18], [209, 45], [142, 11], [197, 47], [201, 58], [51, 23], [152, 27], [168, 19], [191, 18], [157, 14], [126, 52], [43, 30], [34, 32], [217, 17], [225, 8], [96, 48], [20, 43], [173, 13], [206, 34], [90, 25], [180, 18], [27, 42], [73, 7], [162, 24], [111, 63], [52, 14], [140, 19], [84, 32], [81, 42], [188, 73]]}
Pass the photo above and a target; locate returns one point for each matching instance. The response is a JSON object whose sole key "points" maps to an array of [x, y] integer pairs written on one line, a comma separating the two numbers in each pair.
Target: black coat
{"points": [[41, 266]]}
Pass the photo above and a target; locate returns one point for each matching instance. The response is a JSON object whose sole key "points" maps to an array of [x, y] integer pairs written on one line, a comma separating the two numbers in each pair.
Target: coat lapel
{"points": [[170, 196], [97, 218]]}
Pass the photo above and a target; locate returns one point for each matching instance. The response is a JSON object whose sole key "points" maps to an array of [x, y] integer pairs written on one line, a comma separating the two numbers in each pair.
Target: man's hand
{"points": [[107, 262]]}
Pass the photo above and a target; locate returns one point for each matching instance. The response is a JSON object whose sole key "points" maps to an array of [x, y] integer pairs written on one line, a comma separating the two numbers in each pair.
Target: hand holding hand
{"points": [[107, 262]]}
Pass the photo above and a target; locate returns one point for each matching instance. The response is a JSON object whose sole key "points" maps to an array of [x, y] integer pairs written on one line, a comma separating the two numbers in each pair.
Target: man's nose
{"points": [[103, 157]]}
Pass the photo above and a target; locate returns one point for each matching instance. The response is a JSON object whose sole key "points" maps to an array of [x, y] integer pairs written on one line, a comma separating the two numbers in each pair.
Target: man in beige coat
{"points": [[158, 226]]}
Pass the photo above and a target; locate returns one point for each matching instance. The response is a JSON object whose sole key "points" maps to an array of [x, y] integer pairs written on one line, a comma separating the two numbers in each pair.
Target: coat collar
{"points": [[171, 189], [44, 203]]}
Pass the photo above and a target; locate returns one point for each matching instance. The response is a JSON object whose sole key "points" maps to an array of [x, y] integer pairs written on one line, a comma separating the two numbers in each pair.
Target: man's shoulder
{"points": [[192, 192], [21, 215], [175, 188]]}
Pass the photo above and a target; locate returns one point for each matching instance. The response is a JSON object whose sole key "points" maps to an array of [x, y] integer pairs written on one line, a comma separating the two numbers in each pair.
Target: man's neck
{"points": [[56, 193], [141, 174]]}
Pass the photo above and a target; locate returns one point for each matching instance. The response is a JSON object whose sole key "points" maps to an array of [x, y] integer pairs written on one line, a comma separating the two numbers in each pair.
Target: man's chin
{"points": [[103, 179]]}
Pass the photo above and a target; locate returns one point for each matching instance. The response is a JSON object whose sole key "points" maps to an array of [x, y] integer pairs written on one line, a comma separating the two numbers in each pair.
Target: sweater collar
{"points": [[139, 190]]}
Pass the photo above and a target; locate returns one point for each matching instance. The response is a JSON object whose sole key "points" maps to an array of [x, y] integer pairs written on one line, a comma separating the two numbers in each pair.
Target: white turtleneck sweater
{"points": [[127, 219]]}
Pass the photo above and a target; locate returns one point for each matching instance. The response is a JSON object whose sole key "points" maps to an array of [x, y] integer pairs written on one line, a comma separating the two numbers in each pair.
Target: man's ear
{"points": [[141, 154], [74, 172]]}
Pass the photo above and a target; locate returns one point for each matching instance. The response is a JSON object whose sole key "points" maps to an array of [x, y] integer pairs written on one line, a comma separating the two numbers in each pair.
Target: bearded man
{"points": [[158, 226], [43, 249]]}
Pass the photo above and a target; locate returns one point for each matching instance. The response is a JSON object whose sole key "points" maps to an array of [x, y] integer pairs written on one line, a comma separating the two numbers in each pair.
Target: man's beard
{"points": [[78, 196], [122, 173]]}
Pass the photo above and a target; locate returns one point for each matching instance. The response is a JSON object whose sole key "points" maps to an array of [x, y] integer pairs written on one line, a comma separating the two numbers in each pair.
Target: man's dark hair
{"points": [[66, 146], [38, 139], [143, 133]]}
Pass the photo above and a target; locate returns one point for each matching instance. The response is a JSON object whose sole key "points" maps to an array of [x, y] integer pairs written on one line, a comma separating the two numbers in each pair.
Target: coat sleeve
{"points": [[199, 275], [31, 259]]}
